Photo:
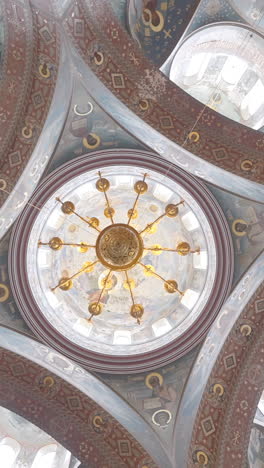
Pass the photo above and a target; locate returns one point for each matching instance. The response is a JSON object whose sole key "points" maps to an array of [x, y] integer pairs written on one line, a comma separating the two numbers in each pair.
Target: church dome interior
{"points": [[131, 234]]}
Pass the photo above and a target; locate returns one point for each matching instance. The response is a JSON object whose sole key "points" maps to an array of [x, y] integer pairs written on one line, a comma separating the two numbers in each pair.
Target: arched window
{"points": [[233, 69], [9, 450], [45, 457], [253, 100]]}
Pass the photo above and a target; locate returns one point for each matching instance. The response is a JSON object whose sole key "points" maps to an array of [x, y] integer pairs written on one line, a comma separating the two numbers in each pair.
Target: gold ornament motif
{"points": [[152, 229], [183, 248], [3, 184], [133, 214], [149, 270], [140, 187], [171, 286], [106, 283], [143, 104], [88, 267], [49, 381], [154, 19], [245, 330], [157, 21], [27, 133], [146, 17], [83, 248], [202, 458], [171, 210], [92, 141], [247, 165], [95, 308], [129, 284], [67, 207], [137, 311], [103, 185], [218, 389], [99, 423], [55, 243], [239, 227], [44, 71], [94, 221], [156, 249], [98, 58], [109, 212], [153, 376], [119, 247], [194, 137], [65, 284], [4, 292]]}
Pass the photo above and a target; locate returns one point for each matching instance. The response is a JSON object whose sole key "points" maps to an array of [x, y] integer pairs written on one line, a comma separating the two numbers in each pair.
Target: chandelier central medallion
{"points": [[119, 247]]}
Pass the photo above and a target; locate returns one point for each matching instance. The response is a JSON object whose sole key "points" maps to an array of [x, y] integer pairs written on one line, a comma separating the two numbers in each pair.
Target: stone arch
{"points": [[35, 387], [229, 378]]}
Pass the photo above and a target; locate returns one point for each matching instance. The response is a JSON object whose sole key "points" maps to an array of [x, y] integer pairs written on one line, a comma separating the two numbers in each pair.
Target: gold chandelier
{"points": [[119, 247]]}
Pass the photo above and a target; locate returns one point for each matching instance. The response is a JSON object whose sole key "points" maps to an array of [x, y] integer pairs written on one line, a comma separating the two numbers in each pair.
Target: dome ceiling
{"points": [[229, 79], [122, 261], [141, 266], [157, 25]]}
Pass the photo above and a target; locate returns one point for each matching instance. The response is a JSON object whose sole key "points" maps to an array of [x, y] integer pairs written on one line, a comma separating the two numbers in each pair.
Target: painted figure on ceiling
{"points": [[166, 393]]}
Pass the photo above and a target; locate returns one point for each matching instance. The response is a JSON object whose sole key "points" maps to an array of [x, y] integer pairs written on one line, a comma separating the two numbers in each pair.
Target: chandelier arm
{"points": [[136, 202], [130, 289], [79, 245], [158, 249], [133, 209], [165, 249], [148, 226], [101, 293], [161, 278], [40, 244], [104, 286], [162, 216], [107, 201], [80, 272], [87, 222], [81, 217]]}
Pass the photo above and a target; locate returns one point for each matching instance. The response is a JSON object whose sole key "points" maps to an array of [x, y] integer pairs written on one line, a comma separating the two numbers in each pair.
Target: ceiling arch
{"points": [[229, 369], [120, 65], [74, 407], [29, 72]]}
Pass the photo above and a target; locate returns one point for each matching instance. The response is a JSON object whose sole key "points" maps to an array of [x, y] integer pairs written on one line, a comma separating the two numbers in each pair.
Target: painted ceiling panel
{"points": [[157, 25]]}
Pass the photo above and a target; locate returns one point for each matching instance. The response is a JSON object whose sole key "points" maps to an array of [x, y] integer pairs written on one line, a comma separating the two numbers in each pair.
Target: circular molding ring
{"points": [[141, 361]]}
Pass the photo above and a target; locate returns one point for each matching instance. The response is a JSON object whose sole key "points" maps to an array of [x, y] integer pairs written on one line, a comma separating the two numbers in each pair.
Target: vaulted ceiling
{"points": [[85, 87]]}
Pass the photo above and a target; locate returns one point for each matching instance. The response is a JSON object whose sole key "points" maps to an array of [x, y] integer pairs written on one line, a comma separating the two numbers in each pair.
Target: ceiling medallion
{"points": [[125, 265], [119, 247]]}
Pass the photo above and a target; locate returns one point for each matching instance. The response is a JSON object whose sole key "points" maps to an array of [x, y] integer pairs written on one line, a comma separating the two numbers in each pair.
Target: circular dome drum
{"points": [[120, 262]]}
